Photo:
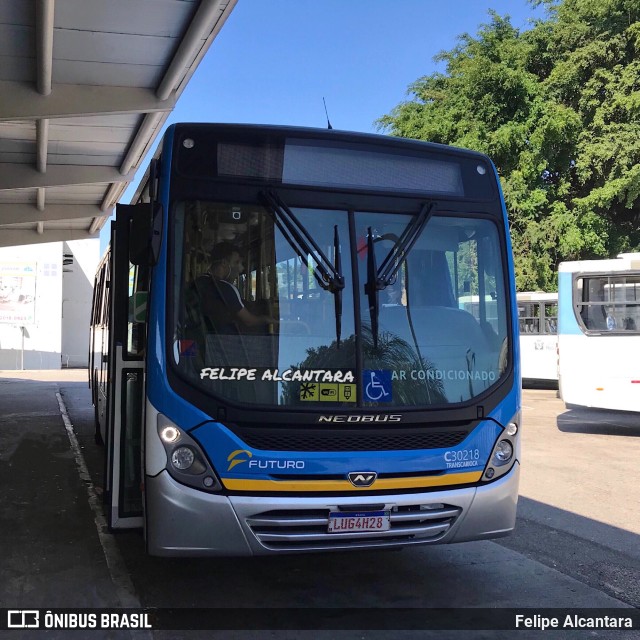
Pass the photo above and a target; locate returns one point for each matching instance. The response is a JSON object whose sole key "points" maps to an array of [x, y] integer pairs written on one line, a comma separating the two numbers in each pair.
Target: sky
{"points": [[274, 61]]}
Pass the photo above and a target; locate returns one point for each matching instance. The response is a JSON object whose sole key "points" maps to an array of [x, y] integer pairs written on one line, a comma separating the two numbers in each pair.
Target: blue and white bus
{"points": [[287, 367], [599, 333]]}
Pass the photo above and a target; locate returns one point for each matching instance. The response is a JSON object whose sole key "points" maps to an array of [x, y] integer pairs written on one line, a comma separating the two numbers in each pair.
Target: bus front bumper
{"points": [[181, 521]]}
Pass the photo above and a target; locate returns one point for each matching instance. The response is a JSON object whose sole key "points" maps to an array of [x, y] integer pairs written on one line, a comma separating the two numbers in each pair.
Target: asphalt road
{"points": [[579, 507], [576, 543]]}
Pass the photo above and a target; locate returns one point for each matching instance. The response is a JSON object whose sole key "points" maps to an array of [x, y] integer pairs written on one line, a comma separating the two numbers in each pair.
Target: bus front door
{"points": [[127, 337]]}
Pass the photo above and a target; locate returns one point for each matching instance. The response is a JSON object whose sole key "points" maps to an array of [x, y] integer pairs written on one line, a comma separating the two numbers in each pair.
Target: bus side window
{"points": [[551, 317], [529, 318]]}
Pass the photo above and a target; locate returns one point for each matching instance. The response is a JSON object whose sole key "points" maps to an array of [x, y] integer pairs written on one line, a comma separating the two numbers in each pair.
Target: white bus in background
{"points": [[538, 320], [599, 333]]}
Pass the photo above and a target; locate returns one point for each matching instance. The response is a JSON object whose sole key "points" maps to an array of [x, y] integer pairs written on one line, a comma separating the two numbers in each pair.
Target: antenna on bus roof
{"points": [[326, 113]]}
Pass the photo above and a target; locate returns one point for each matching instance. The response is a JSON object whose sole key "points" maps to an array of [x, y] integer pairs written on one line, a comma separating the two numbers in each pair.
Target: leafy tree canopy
{"points": [[557, 108]]}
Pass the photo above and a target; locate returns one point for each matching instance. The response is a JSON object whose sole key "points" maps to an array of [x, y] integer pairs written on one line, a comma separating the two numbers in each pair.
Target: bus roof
{"points": [[624, 262], [328, 134], [536, 296]]}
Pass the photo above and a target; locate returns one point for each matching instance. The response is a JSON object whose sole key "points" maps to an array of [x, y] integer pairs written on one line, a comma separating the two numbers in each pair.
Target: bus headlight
{"points": [[186, 461], [502, 454], [504, 451], [169, 433], [183, 458]]}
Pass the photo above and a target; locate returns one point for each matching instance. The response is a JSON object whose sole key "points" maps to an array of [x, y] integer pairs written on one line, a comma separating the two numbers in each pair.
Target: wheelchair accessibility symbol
{"points": [[377, 385]]}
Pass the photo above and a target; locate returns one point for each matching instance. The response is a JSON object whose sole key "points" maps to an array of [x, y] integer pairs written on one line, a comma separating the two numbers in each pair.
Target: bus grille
{"points": [[306, 530], [333, 440]]}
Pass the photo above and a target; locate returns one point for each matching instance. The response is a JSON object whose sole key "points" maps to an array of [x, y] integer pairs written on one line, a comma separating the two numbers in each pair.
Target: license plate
{"points": [[345, 522]]}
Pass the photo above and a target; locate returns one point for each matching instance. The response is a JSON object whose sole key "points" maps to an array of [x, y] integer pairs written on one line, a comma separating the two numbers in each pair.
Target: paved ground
{"points": [[52, 556], [57, 554], [47, 532], [562, 471]]}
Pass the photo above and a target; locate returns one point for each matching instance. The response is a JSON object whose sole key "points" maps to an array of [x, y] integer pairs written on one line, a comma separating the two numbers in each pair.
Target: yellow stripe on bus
{"points": [[243, 484]]}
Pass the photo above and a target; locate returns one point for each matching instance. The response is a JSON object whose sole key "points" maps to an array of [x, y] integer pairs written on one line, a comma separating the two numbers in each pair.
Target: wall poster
{"points": [[18, 293]]}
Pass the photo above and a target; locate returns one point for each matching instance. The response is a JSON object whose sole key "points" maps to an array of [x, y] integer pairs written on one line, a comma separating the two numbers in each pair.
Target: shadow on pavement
{"points": [[600, 422]]}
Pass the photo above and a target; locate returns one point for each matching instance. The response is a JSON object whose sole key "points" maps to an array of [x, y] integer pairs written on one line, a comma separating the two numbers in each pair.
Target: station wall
{"points": [[45, 304]]}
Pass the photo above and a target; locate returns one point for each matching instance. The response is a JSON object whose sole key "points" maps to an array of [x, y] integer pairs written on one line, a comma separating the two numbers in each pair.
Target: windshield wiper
{"points": [[380, 278], [329, 276], [337, 293], [371, 287]]}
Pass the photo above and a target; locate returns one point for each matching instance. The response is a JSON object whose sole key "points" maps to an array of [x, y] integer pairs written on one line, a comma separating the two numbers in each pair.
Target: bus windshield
{"points": [[258, 320]]}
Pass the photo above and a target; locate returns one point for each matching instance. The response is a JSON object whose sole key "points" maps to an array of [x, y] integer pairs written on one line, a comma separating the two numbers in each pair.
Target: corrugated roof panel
{"points": [[15, 145], [17, 69], [87, 160], [110, 74], [18, 158], [75, 194], [17, 40], [124, 120], [17, 130], [114, 48], [60, 225], [15, 196], [144, 17], [59, 130], [12, 12], [91, 191]]}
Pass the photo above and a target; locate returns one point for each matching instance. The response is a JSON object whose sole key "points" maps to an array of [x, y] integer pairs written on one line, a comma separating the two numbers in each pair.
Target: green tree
{"points": [[557, 109]]}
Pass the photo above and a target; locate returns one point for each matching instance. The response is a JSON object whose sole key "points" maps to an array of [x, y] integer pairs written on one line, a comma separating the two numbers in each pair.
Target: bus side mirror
{"points": [[145, 231]]}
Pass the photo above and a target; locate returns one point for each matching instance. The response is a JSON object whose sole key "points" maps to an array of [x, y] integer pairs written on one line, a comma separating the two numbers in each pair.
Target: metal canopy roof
{"points": [[85, 87]]}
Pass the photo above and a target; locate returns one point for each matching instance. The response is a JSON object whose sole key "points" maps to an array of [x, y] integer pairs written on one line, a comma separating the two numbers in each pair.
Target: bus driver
{"points": [[219, 297]]}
